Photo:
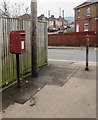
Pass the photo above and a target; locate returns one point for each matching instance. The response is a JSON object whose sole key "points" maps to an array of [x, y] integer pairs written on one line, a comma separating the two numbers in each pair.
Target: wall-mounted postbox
{"points": [[17, 41]]}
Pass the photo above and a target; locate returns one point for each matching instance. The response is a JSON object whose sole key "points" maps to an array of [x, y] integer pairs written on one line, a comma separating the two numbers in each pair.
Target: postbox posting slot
{"points": [[22, 39], [22, 34]]}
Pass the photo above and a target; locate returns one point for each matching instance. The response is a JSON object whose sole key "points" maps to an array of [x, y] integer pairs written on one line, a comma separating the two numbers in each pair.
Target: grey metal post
{"points": [[87, 52], [18, 70], [34, 38]]}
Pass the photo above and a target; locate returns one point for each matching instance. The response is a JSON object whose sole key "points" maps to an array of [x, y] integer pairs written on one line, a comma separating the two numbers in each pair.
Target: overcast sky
{"points": [[53, 5]]}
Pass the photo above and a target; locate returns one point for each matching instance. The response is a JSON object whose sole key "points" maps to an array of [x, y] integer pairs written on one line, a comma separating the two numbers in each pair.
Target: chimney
{"points": [[60, 11], [48, 13], [52, 16], [63, 13]]}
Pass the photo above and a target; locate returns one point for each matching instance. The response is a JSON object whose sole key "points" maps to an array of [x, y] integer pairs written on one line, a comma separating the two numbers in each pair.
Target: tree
{"points": [[4, 10], [13, 10], [16, 9]]}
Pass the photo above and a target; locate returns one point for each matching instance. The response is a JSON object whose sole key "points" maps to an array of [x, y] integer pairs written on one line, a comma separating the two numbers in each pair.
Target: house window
{"points": [[78, 14], [88, 12], [51, 23], [85, 26]]}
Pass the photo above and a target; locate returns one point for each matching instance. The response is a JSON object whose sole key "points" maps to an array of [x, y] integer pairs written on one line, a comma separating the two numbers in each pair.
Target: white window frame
{"points": [[78, 14], [86, 25], [88, 11]]}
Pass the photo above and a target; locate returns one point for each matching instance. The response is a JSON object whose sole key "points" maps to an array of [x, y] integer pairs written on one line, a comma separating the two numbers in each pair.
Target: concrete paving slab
{"points": [[76, 99], [90, 75], [65, 47], [56, 73]]}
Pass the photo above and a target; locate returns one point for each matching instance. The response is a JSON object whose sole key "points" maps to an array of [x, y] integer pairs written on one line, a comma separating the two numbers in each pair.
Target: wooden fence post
{"points": [[34, 56]]}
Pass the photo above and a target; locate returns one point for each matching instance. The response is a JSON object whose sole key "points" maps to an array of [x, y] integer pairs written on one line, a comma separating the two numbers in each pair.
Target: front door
{"points": [[77, 27]]}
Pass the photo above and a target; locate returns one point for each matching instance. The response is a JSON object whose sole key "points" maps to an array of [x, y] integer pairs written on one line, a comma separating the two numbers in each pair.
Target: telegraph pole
{"points": [[34, 38]]}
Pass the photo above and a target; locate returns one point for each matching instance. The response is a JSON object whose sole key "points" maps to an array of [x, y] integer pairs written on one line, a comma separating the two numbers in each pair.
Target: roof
{"points": [[25, 16], [88, 2], [42, 17], [52, 18], [61, 19]]}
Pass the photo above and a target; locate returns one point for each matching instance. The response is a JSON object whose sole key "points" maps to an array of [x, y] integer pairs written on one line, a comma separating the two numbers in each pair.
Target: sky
{"points": [[53, 5]]}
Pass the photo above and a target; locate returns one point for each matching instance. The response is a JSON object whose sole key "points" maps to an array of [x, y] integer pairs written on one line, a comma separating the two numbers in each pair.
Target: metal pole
{"points": [[87, 52], [18, 70], [34, 38]]}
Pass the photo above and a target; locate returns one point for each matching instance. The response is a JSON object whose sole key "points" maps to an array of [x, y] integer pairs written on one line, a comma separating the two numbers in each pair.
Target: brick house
{"points": [[57, 22], [62, 22], [52, 22], [86, 16]]}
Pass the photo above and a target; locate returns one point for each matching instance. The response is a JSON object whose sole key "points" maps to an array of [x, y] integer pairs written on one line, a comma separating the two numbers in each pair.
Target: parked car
{"points": [[53, 29]]}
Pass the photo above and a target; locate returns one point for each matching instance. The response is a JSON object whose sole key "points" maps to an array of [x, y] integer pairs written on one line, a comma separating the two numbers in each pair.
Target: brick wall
{"points": [[72, 39]]}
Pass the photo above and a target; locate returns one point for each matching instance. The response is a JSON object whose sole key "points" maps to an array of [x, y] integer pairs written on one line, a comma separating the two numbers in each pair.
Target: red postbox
{"points": [[17, 45], [17, 42]]}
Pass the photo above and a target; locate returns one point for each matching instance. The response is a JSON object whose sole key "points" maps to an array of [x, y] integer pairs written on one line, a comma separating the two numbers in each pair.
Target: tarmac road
{"points": [[72, 54]]}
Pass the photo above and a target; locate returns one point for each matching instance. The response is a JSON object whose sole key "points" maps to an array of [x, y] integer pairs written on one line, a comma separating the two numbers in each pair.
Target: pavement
{"points": [[65, 47], [70, 47], [62, 90]]}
